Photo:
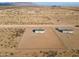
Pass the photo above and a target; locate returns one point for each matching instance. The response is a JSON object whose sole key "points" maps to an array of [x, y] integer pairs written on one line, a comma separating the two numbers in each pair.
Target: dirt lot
{"points": [[71, 41], [32, 40]]}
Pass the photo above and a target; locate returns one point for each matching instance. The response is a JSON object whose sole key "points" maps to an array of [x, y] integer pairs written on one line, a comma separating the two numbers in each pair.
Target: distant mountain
{"points": [[18, 4], [6, 4], [24, 4]]}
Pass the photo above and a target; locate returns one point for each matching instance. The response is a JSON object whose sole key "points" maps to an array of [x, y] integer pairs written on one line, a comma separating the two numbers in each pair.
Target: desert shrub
{"points": [[76, 25], [52, 53], [18, 32], [1, 44], [41, 51], [11, 53], [77, 51], [74, 55]]}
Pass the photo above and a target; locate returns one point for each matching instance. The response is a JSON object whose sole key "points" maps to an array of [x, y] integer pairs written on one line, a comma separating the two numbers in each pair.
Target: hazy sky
{"points": [[58, 3]]}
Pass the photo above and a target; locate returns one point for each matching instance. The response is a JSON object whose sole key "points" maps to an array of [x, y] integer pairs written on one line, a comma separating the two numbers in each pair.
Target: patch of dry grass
{"points": [[9, 37]]}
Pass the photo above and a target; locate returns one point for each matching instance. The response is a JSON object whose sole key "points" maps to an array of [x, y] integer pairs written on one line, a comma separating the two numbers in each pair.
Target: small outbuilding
{"points": [[65, 30], [38, 30]]}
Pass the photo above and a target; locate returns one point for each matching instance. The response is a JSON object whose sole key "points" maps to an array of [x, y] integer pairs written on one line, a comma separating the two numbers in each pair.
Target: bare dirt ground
{"points": [[45, 40], [71, 41]]}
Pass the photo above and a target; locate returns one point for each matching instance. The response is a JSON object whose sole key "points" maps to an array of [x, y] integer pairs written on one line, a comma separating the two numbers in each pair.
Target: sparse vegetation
{"points": [[10, 36], [47, 15]]}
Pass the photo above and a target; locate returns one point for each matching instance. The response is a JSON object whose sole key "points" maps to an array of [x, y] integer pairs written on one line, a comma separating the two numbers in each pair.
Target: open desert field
{"points": [[39, 15], [18, 36]]}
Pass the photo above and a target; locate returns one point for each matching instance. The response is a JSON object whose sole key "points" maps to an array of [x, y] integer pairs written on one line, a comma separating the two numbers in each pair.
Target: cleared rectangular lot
{"points": [[71, 41], [48, 39]]}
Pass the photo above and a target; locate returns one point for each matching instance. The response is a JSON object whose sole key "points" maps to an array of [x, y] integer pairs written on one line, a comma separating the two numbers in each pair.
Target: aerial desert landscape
{"points": [[39, 31]]}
